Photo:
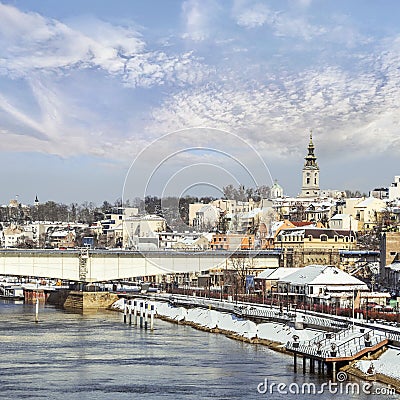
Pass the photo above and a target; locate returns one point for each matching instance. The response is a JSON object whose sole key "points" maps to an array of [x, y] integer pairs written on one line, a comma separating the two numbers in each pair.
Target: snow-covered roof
{"points": [[12, 231], [395, 266], [368, 201], [61, 233], [266, 273], [188, 240], [276, 273], [323, 275], [339, 217], [375, 295], [304, 275]]}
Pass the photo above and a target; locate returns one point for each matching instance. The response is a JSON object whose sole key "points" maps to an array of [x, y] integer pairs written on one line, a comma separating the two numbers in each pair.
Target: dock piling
{"points": [[135, 312], [125, 307], [141, 314], [146, 315], [152, 317], [37, 310]]}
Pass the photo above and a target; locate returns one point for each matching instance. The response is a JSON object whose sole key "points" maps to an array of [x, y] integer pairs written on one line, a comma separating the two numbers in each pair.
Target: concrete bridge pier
{"points": [[89, 301]]}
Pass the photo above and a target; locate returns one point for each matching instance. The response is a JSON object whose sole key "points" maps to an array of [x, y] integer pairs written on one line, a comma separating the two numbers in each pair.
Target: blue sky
{"points": [[89, 87]]}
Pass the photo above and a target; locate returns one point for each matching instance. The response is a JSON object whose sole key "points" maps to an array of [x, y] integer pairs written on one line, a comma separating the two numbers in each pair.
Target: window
{"points": [[308, 181], [393, 253], [324, 238]]}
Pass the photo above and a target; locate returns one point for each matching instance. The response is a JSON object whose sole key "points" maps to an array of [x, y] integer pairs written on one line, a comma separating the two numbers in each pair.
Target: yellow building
{"points": [[315, 238]]}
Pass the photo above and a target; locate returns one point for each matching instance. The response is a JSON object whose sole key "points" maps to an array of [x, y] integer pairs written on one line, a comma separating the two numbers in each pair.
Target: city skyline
{"points": [[87, 87]]}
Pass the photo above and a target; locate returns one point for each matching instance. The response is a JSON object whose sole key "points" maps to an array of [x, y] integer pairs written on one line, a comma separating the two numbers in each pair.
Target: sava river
{"points": [[95, 356]]}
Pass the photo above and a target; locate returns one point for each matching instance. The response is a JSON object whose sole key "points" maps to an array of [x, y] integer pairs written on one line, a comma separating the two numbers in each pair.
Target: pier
{"points": [[336, 349]]}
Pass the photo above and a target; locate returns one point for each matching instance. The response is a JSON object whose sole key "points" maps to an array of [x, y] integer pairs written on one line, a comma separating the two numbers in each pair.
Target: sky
{"points": [[101, 100]]}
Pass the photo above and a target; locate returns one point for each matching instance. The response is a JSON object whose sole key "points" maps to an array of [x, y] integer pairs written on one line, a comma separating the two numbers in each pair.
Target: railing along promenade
{"points": [[336, 329]]}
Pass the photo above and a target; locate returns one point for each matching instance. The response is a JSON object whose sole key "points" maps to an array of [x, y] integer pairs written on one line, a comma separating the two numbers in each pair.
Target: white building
{"points": [[367, 212], [35, 231], [321, 284], [394, 189], [206, 217], [134, 228], [343, 222], [170, 240], [276, 190], [12, 236]]}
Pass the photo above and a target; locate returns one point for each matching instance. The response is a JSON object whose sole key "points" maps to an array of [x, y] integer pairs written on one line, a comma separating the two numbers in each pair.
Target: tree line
{"points": [[174, 209]]}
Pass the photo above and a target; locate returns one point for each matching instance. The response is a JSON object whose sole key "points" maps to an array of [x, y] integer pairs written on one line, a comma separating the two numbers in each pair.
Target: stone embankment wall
{"points": [[89, 300], [82, 301]]}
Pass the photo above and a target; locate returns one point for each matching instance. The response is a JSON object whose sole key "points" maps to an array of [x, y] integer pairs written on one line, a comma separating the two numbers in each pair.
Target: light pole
{"points": [[353, 307]]}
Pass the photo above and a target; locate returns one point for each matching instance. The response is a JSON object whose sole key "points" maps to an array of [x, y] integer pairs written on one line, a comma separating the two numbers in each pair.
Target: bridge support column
{"points": [[312, 365], [295, 362]]}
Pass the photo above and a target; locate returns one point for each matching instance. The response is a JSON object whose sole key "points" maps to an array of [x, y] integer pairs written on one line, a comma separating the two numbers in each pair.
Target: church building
{"points": [[310, 186]]}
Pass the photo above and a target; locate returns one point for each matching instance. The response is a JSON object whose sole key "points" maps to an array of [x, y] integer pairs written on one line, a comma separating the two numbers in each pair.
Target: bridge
{"points": [[107, 265]]}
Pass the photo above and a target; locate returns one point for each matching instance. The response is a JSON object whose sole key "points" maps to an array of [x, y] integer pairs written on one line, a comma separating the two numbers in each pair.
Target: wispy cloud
{"points": [[198, 17], [254, 14], [32, 43], [50, 56], [348, 110]]}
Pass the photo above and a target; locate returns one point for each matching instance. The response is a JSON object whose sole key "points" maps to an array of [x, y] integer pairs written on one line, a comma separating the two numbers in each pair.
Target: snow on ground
{"points": [[118, 305], [175, 313], [387, 364], [212, 319], [283, 333]]}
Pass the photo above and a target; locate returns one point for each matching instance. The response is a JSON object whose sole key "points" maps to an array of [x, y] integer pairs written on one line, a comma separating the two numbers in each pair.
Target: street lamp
{"points": [[353, 306]]}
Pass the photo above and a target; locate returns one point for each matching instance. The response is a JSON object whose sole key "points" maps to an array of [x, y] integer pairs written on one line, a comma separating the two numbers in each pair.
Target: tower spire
{"points": [[311, 159], [310, 186]]}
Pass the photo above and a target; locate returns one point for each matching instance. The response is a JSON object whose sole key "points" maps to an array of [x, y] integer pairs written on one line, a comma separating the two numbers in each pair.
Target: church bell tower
{"points": [[310, 186]]}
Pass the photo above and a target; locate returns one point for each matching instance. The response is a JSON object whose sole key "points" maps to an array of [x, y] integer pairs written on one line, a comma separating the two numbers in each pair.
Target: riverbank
{"points": [[385, 366]]}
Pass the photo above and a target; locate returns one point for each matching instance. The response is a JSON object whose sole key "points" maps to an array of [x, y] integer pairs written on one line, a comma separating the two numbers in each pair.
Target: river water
{"points": [[95, 356]]}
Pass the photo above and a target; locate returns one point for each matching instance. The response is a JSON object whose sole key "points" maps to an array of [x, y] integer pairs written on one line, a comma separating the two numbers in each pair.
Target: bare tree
{"points": [[240, 266]]}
